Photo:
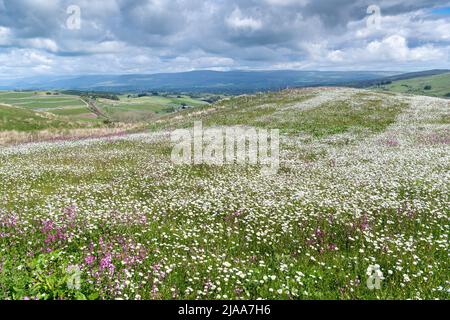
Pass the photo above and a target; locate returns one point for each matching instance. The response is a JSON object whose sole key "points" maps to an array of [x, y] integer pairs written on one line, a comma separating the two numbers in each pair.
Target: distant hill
{"points": [[397, 77], [435, 85], [233, 82]]}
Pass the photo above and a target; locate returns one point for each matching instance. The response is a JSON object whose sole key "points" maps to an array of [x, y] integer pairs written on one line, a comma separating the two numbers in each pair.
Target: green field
{"points": [[18, 119], [24, 115], [363, 181], [34, 111], [146, 108], [55, 103], [435, 86]]}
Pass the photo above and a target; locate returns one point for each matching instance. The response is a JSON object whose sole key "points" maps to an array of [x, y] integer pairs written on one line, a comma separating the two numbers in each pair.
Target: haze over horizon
{"points": [[40, 38]]}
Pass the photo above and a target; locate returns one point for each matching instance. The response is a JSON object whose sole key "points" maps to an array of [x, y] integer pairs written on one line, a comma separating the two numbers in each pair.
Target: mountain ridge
{"points": [[234, 82]]}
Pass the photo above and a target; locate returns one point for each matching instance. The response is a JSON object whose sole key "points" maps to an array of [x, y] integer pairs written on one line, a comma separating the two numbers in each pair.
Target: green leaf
{"points": [[80, 296], [93, 296]]}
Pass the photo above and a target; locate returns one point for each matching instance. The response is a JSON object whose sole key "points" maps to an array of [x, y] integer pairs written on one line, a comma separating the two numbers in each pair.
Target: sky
{"points": [[67, 37]]}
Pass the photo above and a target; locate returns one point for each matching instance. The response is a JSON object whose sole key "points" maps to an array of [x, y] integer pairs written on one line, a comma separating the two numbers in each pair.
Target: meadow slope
{"points": [[363, 180], [434, 86]]}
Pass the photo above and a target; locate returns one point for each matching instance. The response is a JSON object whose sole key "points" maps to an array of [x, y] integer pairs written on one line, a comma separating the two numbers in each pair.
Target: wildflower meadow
{"points": [[358, 208]]}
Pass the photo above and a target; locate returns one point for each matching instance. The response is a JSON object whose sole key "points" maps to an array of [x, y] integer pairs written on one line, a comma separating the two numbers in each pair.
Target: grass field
{"points": [[148, 107], [19, 125], [75, 109], [296, 111], [435, 86], [32, 116], [13, 118], [363, 180], [59, 104]]}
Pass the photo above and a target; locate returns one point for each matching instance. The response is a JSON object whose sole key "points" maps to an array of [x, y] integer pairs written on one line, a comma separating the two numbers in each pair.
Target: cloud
{"points": [[287, 2], [120, 36], [5, 36], [41, 43], [396, 48], [237, 21]]}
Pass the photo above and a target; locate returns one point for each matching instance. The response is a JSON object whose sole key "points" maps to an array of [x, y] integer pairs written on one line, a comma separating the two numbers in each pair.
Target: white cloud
{"points": [[40, 43], [24, 62], [237, 21], [5, 36], [120, 36], [287, 2], [396, 48]]}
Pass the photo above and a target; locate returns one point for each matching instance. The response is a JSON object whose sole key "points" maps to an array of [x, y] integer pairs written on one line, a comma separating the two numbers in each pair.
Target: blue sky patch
{"points": [[443, 10]]}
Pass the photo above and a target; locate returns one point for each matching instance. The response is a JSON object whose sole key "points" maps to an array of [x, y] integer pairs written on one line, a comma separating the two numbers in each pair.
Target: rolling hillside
{"points": [[362, 181], [435, 85], [50, 102], [22, 119], [145, 108], [320, 111], [95, 108], [35, 115]]}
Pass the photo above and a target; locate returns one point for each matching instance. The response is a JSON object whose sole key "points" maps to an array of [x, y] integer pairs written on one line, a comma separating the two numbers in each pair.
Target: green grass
{"points": [[15, 95], [227, 232], [48, 105], [277, 110], [145, 108], [18, 119], [55, 103], [439, 86], [334, 118], [126, 110], [70, 111], [156, 104]]}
